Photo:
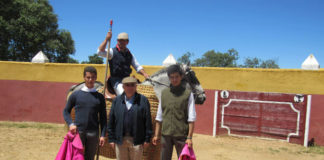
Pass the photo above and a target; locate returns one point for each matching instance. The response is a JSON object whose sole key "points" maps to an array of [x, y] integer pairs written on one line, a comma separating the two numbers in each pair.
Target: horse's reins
{"points": [[154, 81], [163, 84]]}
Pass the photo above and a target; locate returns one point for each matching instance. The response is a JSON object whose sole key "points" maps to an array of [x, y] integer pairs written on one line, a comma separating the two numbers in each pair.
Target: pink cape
{"points": [[71, 148], [187, 153]]}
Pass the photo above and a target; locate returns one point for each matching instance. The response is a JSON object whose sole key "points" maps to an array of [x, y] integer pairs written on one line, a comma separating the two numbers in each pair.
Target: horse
{"points": [[160, 81]]}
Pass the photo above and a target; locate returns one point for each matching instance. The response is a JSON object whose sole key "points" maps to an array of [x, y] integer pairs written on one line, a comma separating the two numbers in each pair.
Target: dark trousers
{"points": [[90, 142], [167, 143]]}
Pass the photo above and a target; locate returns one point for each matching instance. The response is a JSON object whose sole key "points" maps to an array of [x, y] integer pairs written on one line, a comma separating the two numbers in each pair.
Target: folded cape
{"points": [[187, 153], [71, 148]]}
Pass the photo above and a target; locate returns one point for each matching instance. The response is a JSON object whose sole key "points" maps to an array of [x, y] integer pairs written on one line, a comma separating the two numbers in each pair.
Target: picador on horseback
{"points": [[120, 60]]}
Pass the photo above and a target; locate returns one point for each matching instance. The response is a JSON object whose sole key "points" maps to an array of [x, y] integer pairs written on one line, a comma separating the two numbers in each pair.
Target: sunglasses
{"points": [[130, 84], [122, 40]]}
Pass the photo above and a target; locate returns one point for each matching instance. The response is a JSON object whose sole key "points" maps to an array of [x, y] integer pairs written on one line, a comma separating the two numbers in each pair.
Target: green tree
{"points": [[30, 26], [227, 59], [94, 59], [185, 58], [251, 63], [269, 64], [72, 60], [258, 63], [218, 59]]}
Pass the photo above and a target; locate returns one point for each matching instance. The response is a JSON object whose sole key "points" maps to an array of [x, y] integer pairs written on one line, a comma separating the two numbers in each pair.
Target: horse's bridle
{"points": [[190, 73], [154, 81], [187, 73]]}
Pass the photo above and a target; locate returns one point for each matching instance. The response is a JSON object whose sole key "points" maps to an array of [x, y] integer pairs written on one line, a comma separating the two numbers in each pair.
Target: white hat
{"points": [[123, 35]]}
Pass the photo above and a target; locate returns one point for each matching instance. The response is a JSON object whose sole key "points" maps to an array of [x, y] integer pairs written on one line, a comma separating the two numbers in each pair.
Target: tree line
{"points": [[225, 59]]}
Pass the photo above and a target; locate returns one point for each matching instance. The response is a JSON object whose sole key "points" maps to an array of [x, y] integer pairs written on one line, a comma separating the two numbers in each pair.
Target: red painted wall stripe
{"points": [[44, 102], [316, 128], [33, 101], [205, 114]]}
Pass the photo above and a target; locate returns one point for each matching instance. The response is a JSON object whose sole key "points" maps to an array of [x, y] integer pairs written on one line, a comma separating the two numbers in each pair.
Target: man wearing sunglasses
{"points": [[120, 60], [129, 125]]}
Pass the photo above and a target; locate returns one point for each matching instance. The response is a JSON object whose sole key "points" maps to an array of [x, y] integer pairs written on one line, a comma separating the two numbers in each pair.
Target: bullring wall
{"points": [[37, 92], [239, 79]]}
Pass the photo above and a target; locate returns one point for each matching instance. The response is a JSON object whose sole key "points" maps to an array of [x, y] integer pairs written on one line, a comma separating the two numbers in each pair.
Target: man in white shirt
{"points": [[176, 115], [120, 60]]}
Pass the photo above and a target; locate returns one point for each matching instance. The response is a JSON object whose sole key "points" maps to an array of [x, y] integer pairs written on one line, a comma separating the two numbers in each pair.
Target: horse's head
{"points": [[190, 77], [160, 81]]}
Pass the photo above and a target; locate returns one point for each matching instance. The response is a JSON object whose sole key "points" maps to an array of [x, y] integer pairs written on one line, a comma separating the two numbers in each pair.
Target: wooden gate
{"points": [[263, 115]]}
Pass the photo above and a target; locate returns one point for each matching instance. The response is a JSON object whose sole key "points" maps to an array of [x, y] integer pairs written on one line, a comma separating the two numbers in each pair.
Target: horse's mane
{"points": [[163, 70]]}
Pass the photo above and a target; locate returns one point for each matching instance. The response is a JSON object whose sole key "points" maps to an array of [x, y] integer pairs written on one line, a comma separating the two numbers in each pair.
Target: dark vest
{"points": [[128, 121], [120, 64], [175, 113]]}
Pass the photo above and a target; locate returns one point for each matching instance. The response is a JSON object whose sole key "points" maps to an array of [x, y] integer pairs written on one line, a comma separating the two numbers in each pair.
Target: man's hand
{"points": [[142, 72], [112, 144], [73, 129], [155, 140], [104, 43], [189, 143], [102, 141], [146, 75], [109, 35], [146, 144]]}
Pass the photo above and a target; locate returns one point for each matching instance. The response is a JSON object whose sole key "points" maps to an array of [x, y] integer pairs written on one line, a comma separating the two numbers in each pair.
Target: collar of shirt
{"points": [[86, 89], [129, 102], [119, 48]]}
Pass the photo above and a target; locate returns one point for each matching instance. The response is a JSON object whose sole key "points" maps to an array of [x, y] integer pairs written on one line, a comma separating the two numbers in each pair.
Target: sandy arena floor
{"points": [[40, 141]]}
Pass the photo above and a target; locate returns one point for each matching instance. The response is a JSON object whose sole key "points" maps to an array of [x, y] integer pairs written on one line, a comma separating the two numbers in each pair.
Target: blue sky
{"points": [[285, 30]]}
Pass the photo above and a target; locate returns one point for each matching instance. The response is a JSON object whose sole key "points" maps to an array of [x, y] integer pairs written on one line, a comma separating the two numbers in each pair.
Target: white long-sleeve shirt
{"points": [[135, 64], [191, 110]]}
